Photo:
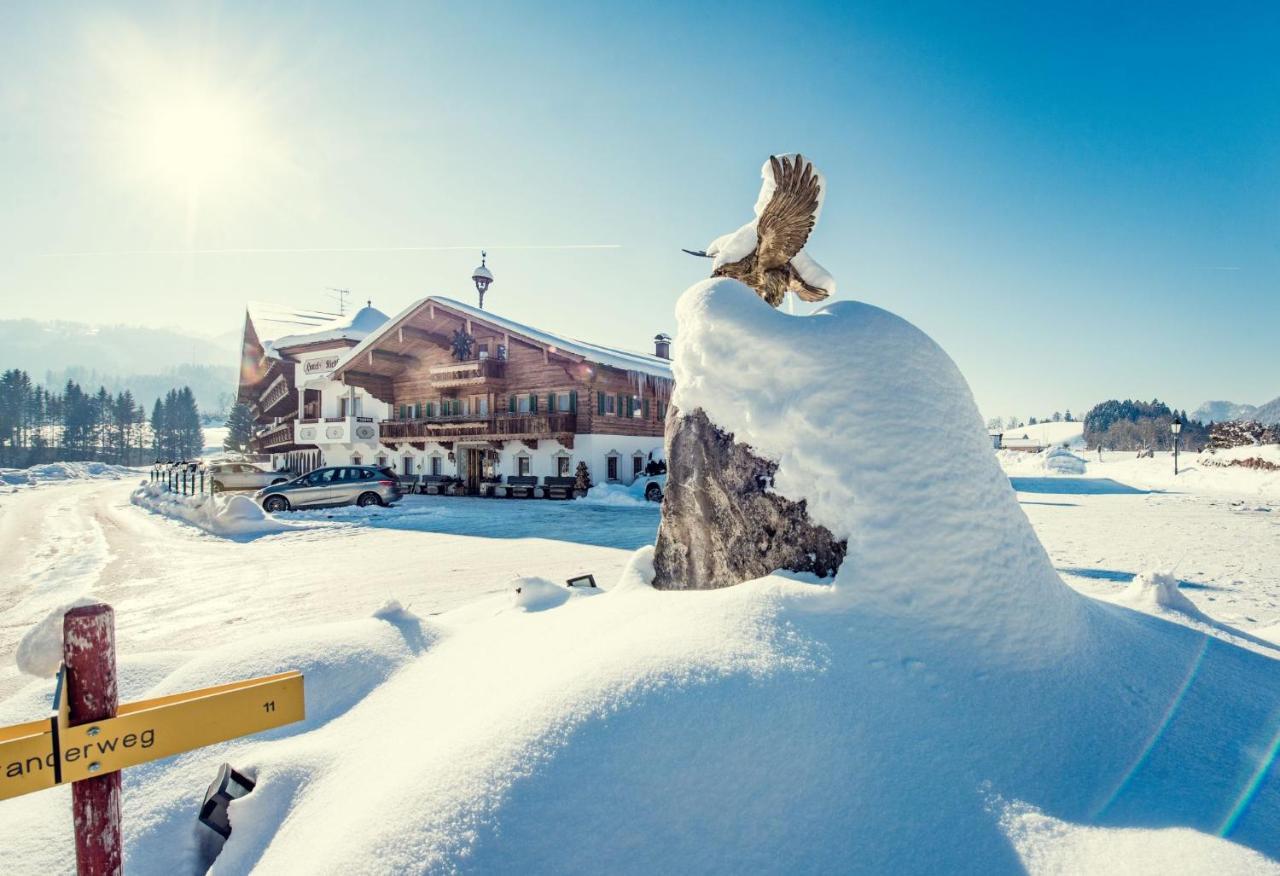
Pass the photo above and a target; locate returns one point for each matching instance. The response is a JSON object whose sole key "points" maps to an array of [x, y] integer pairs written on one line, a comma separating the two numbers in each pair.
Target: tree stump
{"points": [[721, 525]]}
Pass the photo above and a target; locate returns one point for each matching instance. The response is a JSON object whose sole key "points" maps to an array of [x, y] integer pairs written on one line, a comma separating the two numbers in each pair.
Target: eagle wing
{"points": [[787, 220], [804, 291]]}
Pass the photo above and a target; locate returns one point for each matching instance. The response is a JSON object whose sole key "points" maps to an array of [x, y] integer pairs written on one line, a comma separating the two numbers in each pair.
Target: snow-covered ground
{"points": [[947, 704], [12, 479]]}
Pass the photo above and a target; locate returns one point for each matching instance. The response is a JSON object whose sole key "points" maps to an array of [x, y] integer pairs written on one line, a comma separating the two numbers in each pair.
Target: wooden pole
{"points": [[89, 652]]}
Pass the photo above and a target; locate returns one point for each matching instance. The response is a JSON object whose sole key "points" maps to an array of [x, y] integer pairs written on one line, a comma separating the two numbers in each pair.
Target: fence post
{"points": [[89, 652], [202, 482]]}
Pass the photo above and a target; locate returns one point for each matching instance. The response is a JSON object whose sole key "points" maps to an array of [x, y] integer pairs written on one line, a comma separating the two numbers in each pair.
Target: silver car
{"points": [[242, 476], [361, 485]]}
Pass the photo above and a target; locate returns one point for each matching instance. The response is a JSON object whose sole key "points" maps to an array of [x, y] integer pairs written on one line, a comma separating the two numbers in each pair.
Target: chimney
{"points": [[662, 345]]}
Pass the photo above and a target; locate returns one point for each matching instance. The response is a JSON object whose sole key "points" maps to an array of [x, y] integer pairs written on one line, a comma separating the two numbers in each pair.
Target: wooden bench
{"points": [[438, 485], [559, 488], [523, 487], [408, 483]]}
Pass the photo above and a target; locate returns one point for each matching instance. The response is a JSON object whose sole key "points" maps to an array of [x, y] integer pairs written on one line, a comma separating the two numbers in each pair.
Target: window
{"points": [[481, 405], [564, 401], [321, 477], [523, 466], [562, 466], [610, 407], [435, 466], [355, 459], [523, 402], [612, 470], [635, 407], [637, 465], [408, 465], [382, 461]]}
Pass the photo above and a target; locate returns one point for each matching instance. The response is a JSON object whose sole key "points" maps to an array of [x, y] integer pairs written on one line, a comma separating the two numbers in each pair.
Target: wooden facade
{"points": [[510, 386]]}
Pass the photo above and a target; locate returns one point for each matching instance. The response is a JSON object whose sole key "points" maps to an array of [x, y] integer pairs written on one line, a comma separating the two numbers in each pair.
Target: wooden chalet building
{"points": [[448, 389]]}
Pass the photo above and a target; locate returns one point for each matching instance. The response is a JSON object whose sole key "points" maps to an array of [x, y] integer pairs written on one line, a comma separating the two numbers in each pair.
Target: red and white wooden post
{"points": [[89, 652]]}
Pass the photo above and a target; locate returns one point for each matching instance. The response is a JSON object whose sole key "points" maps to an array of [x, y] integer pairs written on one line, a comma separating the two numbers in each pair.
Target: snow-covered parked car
{"points": [[652, 487], [243, 476]]}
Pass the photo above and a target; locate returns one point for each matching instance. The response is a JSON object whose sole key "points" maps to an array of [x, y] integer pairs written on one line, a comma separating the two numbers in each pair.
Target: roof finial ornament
{"points": [[482, 277]]}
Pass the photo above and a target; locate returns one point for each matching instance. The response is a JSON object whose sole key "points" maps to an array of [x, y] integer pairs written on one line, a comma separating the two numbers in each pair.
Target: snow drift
{"points": [[62, 471], [229, 516], [947, 704]]}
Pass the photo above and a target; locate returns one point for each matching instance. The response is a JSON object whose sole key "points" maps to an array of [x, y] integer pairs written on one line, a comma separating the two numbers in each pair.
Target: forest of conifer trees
{"points": [[39, 425]]}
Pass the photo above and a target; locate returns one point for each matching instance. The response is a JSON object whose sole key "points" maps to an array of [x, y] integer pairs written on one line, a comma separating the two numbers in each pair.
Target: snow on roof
{"points": [[626, 360], [279, 327]]}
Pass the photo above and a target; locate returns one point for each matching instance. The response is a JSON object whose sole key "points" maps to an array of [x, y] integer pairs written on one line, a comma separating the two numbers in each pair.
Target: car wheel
{"points": [[367, 499], [276, 504], [216, 487], [278, 481], [653, 493]]}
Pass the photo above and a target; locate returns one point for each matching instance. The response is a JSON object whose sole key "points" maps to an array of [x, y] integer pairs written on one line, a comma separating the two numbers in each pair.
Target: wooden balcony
{"points": [[472, 372], [482, 427], [275, 436]]}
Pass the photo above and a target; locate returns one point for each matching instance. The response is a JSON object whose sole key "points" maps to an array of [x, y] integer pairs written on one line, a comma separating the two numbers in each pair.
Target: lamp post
{"points": [[1176, 428], [482, 277]]}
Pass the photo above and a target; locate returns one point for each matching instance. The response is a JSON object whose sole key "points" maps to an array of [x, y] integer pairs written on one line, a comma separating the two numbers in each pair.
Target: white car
{"points": [[653, 486], [243, 476]]}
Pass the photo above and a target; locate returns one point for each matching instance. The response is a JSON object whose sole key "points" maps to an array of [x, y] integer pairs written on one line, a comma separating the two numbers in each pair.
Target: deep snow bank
{"points": [[837, 399], [54, 472], [229, 516]]}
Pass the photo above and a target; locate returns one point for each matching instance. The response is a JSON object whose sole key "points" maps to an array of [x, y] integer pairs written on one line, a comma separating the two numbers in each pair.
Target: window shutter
{"points": [[551, 403], [622, 405], [533, 402], [646, 409], [630, 406], [573, 401], [600, 402], [511, 404]]}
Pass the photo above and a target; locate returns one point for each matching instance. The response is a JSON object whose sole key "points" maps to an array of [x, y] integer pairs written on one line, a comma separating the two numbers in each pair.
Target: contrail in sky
{"points": [[267, 250]]}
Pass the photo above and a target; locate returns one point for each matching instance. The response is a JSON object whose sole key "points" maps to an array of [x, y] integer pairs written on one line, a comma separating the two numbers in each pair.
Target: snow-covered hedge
{"points": [[53, 472], [229, 516]]}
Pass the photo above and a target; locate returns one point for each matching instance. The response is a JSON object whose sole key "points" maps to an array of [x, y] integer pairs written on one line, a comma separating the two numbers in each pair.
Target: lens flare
{"points": [[1169, 712]]}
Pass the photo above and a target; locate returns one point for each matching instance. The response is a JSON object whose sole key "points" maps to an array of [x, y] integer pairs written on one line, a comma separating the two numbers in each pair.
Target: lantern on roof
{"points": [[482, 277]]}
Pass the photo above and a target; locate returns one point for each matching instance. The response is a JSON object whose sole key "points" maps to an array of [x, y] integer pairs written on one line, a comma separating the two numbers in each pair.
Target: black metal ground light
{"points": [[227, 786]]}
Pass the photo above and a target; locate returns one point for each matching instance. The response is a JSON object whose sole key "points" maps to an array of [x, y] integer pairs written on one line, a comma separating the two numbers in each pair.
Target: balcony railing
{"points": [[471, 372], [482, 426], [275, 436]]}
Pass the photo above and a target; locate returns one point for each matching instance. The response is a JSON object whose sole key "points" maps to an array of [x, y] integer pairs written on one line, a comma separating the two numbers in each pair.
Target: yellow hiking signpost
{"points": [[42, 754]]}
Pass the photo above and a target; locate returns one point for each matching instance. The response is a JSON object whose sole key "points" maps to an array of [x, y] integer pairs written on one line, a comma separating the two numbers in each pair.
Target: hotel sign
{"points": [[320, 366]]}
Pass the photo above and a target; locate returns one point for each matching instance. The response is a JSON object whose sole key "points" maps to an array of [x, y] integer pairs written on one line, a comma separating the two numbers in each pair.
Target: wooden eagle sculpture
{"points": [[767, 253]]}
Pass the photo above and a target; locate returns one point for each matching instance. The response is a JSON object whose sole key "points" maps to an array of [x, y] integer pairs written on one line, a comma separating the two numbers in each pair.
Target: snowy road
{"points": [[175, 587]]}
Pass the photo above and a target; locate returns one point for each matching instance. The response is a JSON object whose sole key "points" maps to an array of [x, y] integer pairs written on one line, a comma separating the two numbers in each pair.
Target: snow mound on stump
{"points": [[40, 651], [1155, 591], [837, 399]]}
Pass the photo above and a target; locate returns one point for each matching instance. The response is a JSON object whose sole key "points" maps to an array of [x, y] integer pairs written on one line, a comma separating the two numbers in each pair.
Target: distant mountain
{"points": [[146, 361], [1221, 411], [1268, 414]]}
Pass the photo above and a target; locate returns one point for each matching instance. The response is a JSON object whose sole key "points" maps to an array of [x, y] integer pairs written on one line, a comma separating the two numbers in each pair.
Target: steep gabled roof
{"points": [[626, 360], [282, 327]]}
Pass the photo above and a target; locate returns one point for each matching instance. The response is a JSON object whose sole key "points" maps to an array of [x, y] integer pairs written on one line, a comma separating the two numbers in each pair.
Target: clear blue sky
{"points": [[1076, 201]]}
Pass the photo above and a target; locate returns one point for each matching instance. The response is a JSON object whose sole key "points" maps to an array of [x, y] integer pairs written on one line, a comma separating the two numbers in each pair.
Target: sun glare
{"points": [[196, 142]]}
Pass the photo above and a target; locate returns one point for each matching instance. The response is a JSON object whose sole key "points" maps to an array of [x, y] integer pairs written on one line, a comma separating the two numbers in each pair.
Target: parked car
{"points": [[654, 486], [243, 476], [361, 485]]}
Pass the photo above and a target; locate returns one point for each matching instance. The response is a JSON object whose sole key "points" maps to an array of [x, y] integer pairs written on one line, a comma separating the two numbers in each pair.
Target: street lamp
{"points": [[1176, 428], [482, 277]]}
